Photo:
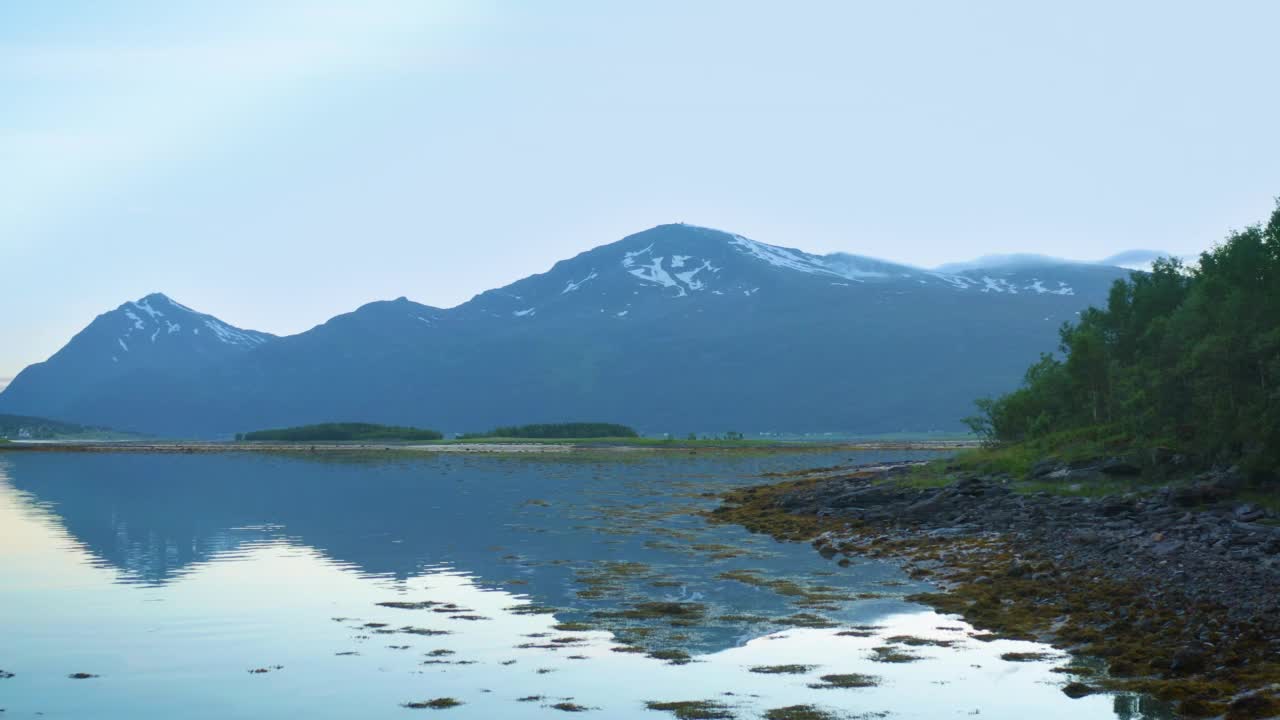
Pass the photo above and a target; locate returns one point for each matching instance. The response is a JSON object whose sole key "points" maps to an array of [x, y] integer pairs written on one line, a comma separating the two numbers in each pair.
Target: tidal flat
{"points": [[212, 585]]}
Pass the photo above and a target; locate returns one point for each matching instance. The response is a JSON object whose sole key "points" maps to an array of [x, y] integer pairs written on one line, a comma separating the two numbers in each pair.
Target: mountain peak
{"points": [[156, 316]]}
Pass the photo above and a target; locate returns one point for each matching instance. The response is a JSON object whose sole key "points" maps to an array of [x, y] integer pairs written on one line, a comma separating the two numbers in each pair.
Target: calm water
{"points": [[171, 578]]}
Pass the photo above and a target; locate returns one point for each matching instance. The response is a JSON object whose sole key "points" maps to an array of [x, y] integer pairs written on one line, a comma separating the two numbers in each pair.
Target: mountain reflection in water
{"points": [[613, 548]]}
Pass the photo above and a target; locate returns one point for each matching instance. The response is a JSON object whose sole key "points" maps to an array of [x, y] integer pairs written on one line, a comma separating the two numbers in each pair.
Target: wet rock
{"points": [[1077, 690], [1187, 661], [1253, 705]]}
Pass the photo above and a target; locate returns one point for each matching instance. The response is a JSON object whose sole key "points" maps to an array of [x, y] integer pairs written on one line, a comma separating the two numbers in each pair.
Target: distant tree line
{"points": [[334, 432], [1181, 356], [558, 431], [14, 426]]}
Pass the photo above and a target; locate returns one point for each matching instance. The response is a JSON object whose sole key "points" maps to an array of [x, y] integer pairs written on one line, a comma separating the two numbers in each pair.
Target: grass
{"points": [[1016, 460]]}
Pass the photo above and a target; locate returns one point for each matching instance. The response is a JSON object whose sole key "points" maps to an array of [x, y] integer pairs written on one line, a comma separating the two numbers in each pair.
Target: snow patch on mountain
{"points": [[959, 282], [781, 257], [150, 317], [571, 285], [145, 305], [629, 258], [690, 278], [998, 285], [232, 336], [654, 273]]}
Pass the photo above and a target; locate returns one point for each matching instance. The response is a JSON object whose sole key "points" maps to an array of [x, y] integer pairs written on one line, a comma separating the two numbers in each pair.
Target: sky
{"points": [[277, 162]]}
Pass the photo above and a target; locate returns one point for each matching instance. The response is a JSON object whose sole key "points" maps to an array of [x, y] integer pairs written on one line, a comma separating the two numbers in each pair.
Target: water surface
{"points": [[252, 586]]}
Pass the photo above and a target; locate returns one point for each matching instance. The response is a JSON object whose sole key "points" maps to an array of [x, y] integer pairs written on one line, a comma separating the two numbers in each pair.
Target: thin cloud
{"points": [[125, 111]]}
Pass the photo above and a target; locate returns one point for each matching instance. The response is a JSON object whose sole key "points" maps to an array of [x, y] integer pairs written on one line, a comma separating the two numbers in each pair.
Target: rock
{"points": [[1248, 512], [1073, 475], [1120, 466], [1166, 456], [1117, 506], [1187, 661], [1044, 467], [1198, 493], [1254, 705], [1077, 690], [1231, 479], [1086, 537]]}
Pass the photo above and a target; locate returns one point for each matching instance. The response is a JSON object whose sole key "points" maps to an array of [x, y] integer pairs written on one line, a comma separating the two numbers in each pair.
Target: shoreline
{"points": [[1176, 598], [568, 446]]}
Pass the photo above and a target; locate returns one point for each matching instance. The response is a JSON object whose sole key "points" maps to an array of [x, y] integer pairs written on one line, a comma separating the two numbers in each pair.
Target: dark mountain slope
{"points": [[674, 329]]}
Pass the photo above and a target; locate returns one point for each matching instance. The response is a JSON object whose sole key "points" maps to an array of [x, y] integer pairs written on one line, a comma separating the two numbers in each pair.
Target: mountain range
{"points": [[676, 329]]}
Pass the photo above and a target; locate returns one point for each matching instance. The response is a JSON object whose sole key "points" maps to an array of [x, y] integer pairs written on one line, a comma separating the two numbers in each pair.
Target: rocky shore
{"points": [[1174, 590]]}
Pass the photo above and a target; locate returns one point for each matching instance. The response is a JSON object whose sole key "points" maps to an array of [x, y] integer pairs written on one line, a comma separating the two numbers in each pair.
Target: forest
{"points": [[1186, 356], [340, 432], [558, 431]]}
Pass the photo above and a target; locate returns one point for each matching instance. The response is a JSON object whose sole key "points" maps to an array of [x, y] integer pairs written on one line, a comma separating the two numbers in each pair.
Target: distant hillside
{"points": [[24, 427], [559, 431], [679, 329], [340, 432]]}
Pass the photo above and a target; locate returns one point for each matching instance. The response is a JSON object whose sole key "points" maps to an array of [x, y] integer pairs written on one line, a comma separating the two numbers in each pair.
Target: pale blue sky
{"points": [[277, 162]]}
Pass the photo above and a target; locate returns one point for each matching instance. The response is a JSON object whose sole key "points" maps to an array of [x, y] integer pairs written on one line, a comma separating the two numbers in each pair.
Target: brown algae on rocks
{"points": [[846, 680], [693, 709], [1012, 580], [782, 669], [799, 712], [441, 703], [890, 654]]}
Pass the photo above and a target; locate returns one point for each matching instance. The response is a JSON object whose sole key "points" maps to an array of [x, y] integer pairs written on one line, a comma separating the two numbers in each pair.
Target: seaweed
{"points": [[693, 709]]}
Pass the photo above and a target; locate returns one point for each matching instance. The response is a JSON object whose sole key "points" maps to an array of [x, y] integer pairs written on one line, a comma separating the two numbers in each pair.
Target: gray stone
{"points": [[1120, 466], [1044, 467]]}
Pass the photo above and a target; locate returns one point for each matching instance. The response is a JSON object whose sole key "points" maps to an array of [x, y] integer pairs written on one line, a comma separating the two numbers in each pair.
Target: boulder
{"points": [[1187, 661], [1248, 512], [1077, 690], [1044, 467], [1120, 466], [1074, 475]]}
